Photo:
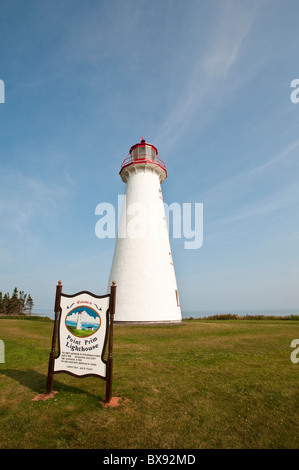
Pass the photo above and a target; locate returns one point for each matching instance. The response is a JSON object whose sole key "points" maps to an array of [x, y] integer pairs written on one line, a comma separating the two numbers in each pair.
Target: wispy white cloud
{"points": [[248, 195], [212, 64], [232, 25], [26, 202], [264, 206], [228, 188], [276, 159]]}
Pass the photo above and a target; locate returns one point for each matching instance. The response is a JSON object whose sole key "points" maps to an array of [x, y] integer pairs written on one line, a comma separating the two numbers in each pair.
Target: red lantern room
{"points": [[143, 150], [143, 154]]}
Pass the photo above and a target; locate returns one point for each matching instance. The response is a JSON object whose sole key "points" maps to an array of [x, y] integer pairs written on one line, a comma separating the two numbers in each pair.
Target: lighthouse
{"points": [[79, 320], [142, 264]]}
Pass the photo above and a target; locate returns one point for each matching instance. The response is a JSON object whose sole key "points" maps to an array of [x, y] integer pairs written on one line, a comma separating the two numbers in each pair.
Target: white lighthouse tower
{"points": [[142, 264], [79, 320]]}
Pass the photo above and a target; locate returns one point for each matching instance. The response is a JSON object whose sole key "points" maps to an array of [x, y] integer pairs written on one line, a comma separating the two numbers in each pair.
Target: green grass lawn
{"points": [[79, 333], [199, 384]]}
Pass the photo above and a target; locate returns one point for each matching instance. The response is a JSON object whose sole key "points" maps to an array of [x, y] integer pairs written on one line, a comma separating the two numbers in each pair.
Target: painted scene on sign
{"points": [[83, 321]]}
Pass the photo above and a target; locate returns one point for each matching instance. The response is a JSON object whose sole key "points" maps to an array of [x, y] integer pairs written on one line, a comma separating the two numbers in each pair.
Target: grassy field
{"points": [[201, 384]]}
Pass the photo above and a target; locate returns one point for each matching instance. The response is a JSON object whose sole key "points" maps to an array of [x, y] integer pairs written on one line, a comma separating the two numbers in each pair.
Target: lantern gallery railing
{"points": [[147, 156]]}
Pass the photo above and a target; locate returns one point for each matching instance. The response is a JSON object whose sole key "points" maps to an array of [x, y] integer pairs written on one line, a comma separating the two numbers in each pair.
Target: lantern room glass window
{"points": [[152, 153], [134, 154], [144, 151]]}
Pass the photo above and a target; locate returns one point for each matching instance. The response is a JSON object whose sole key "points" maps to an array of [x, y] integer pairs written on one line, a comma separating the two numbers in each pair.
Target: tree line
{"points": [[18, 303]]}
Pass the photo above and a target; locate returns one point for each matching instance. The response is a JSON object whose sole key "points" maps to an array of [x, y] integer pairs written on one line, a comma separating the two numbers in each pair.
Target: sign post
{"points": [[110, 346], [83, 322], [50, 378]]}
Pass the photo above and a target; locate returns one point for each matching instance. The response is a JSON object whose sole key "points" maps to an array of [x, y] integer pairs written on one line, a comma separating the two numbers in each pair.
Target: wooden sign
{"points": [[84, 325], [82, 334]]}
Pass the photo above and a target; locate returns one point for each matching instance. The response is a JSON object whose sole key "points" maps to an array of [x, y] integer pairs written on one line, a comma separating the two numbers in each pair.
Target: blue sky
{"points": [[208, 83]]}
